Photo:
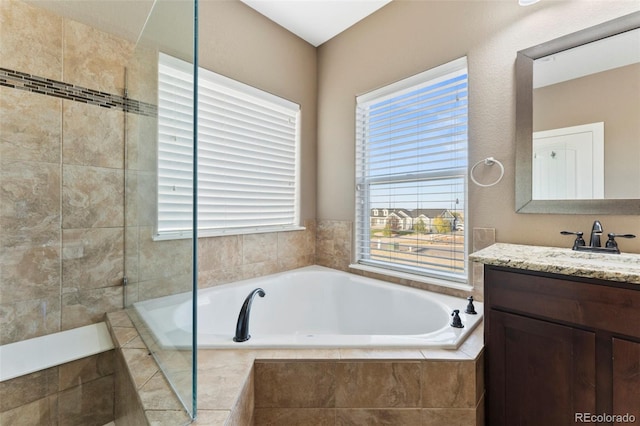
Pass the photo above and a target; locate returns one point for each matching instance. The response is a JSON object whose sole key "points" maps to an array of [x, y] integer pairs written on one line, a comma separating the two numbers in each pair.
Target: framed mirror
{"points": [[578, 122]]}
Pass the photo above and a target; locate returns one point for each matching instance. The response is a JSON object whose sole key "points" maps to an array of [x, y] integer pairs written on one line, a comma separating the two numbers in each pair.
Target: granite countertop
{"points": [[623, 267]]}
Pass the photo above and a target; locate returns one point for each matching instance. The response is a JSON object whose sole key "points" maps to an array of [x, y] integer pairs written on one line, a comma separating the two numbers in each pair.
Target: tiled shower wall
{"points": [[61, 173]]}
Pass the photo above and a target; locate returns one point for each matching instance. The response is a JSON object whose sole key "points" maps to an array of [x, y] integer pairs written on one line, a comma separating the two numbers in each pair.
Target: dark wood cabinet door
{"points": [[626, 378], [540, 373]]}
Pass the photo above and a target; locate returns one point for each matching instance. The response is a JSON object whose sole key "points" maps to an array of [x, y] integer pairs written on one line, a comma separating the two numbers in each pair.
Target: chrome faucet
{"points": [[242, 327], [595, 245]]}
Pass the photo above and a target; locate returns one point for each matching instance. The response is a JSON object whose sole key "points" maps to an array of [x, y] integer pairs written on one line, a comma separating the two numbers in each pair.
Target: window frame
{"points": [[363, 206]]}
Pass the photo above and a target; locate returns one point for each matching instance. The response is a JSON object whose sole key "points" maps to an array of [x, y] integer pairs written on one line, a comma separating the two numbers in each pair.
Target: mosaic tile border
{"points": [[59, 89]]}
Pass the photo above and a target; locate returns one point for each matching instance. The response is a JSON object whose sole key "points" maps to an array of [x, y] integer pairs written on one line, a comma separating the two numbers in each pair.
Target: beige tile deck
{"points": [[227, 387]]}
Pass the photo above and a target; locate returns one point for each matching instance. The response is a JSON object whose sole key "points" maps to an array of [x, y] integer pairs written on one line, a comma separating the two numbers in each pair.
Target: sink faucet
{"points": [[242, 327], [596, 231], [594, 243]]}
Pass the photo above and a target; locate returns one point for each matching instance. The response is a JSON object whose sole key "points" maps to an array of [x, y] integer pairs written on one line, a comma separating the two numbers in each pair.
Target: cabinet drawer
{"points": [[584, 304]]}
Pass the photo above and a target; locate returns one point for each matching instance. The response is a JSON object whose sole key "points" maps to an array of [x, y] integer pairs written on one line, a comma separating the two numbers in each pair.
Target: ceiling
{"points": [[315, 21]]}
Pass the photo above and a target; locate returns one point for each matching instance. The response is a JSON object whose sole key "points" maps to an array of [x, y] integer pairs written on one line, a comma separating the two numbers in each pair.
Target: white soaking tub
{"points": [[309, 307]]}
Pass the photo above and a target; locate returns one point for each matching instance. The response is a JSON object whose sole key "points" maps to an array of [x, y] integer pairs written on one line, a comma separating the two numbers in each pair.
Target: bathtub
{"points": [[312, 307]]}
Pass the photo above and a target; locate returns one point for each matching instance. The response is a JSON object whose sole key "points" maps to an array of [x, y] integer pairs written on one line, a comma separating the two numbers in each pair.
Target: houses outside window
{"points": [[411, 163]]}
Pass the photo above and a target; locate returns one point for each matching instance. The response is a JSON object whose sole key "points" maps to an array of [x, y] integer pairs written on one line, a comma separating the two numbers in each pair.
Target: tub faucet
{"points": [[242, 327]]}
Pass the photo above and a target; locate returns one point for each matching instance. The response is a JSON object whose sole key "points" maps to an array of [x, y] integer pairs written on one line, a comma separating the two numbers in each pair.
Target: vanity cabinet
{"points": [[560, 348]]}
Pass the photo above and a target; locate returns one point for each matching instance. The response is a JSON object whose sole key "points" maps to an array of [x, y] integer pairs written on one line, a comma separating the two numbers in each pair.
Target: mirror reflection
{"points": [[586, 121]]}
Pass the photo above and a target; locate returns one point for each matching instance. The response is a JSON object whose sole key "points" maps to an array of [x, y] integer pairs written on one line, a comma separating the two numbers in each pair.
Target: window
{"points": [[411, 163], [248, 147]]}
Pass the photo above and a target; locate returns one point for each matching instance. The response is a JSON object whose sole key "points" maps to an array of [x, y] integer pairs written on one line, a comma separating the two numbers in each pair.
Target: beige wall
{"points": [[238, 42], [406, 37], [612, 97]]}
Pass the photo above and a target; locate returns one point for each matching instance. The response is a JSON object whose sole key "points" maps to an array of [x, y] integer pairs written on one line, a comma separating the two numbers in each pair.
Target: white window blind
{"points": [[411, 162], [175, 146], [248, 147]]}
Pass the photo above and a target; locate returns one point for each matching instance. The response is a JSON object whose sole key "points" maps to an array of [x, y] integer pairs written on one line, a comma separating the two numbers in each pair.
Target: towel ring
{"points": [[489, 161]]}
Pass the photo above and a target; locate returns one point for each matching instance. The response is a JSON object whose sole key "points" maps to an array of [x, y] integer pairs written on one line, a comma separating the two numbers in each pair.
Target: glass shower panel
{"points": [[160, 265]]}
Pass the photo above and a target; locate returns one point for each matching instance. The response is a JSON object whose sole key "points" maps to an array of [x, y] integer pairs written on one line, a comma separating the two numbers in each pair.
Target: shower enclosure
{"points": [[161, 260]]}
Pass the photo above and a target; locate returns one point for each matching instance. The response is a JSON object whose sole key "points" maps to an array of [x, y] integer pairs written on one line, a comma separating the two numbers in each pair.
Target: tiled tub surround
{"points": [[334, 250], [161, 268], [623, 267], [232, 258], [334, 244], [303, 387]]}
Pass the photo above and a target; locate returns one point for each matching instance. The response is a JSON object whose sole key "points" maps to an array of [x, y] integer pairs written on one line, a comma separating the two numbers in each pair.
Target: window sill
{"points": [[206, 234], [413, 277]]}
